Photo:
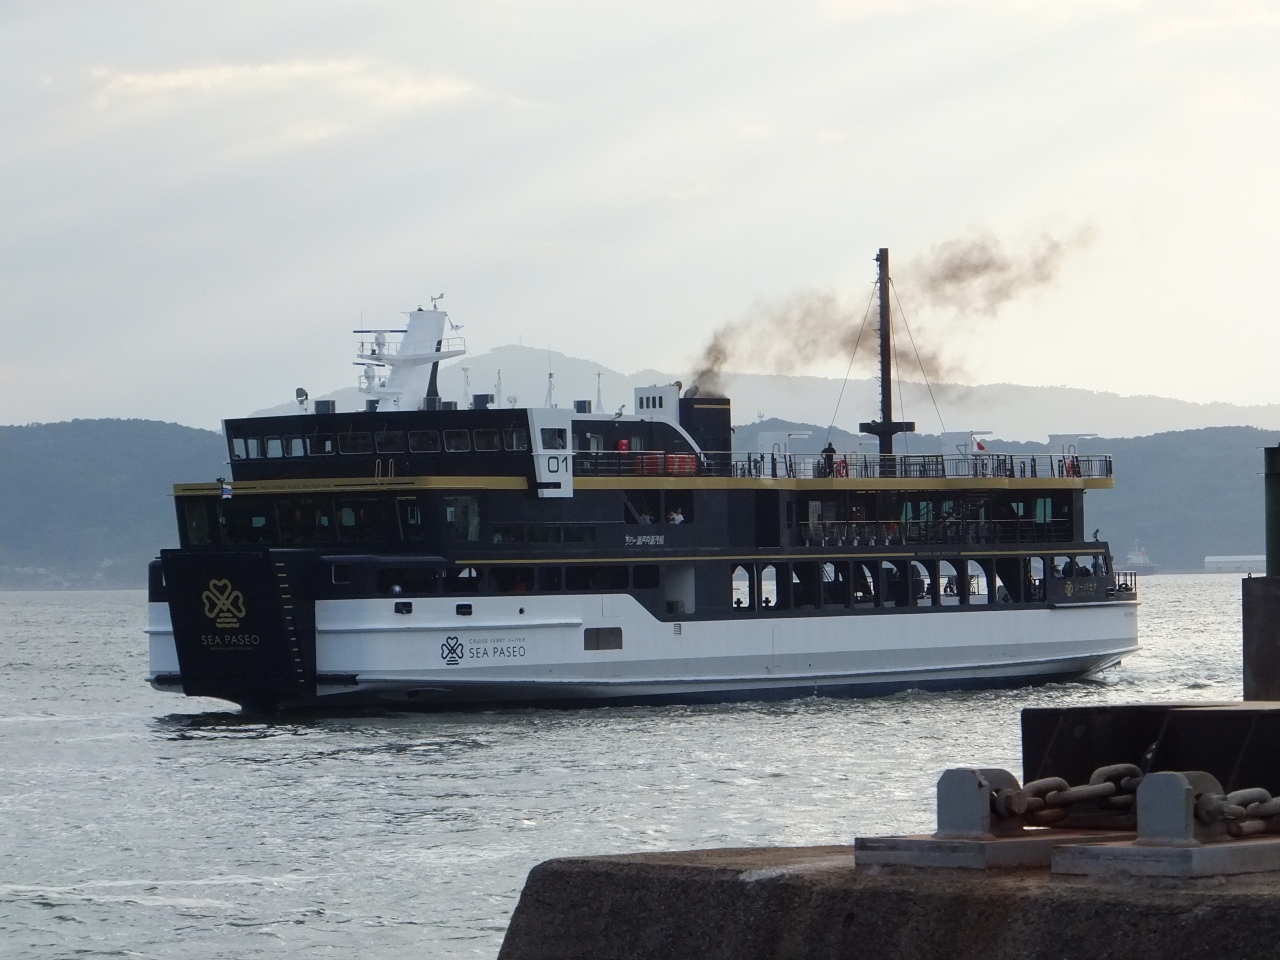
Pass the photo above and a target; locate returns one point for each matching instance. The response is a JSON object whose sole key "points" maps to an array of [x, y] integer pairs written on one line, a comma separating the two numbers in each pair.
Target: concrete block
{"points": [[1251, 855], [1030, 848]]}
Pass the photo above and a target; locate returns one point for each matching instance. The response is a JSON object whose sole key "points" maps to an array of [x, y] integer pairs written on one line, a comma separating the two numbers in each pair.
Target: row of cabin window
{"points": [[651, 403], [843, 583], [304, 520], [384, 441], [418, 581]]}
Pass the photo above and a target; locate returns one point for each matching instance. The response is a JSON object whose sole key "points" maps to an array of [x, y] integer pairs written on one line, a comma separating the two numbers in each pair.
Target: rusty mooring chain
{"points": [[1048, 801], [1246, 812]]}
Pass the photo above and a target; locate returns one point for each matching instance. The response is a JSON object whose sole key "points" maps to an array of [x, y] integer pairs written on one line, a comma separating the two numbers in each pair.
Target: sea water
{"points": [[141, 824]]}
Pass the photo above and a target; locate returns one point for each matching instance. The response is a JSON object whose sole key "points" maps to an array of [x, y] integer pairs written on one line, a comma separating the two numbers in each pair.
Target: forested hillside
{"points": [[88, 503]]}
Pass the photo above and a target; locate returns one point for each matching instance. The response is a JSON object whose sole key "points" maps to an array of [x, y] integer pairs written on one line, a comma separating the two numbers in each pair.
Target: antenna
{"points": [[551, 377], [466, 386], [497, 385], [434, 300], [599, 402]]}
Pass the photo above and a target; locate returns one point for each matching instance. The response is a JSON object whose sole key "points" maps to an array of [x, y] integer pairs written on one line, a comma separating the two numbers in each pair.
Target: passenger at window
{"points": [[675, 516]]}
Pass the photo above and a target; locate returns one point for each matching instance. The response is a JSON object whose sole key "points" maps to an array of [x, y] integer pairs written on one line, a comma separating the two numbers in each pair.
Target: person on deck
{"points": [[829, 459]]}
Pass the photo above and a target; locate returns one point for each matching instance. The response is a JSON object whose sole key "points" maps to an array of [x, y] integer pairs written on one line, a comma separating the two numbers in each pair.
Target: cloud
{"points": [[371, 83]]}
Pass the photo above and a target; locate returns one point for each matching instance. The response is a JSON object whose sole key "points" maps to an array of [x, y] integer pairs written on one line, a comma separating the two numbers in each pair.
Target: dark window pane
{"points": [[411, 519], [199, 531], [254, 447], [487, 440], [516, 438], [579, 533], [645, 577], [424, 441], [462, 580], [457, 441], [362, 521], [389, 441], [549, 578], [341, 573], [320, 444], [602, 638], [412, 581], [511, 579], [462, 516], [305, 520], [508, 533], [545, 534], [355, 442], [595, 578], [247, 522]]}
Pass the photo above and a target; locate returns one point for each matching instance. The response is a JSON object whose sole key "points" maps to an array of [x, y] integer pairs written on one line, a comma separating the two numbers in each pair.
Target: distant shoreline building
{"points": [[1244, 564]]}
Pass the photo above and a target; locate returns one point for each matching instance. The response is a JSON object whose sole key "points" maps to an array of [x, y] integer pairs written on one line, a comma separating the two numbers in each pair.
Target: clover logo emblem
{"points": [[451, 651], [222, 604]]}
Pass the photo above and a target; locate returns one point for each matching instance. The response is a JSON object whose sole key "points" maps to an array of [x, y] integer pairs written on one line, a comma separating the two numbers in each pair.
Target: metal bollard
{"points": [[965, 797]]}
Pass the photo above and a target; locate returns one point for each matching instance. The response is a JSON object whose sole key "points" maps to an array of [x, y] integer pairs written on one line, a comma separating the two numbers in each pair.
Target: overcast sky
{"points": [[201, 200]]}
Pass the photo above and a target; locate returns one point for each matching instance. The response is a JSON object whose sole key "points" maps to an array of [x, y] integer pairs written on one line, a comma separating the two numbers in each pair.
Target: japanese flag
{"points": [[978, 445]]}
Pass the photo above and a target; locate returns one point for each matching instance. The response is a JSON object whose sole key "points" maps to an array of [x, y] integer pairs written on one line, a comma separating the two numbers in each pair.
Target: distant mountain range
{"points": [[87, 503], [1008, 410]]}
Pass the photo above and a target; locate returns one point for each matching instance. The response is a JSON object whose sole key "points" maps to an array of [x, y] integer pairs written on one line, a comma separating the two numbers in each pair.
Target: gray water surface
{"points": [[141, 824]]}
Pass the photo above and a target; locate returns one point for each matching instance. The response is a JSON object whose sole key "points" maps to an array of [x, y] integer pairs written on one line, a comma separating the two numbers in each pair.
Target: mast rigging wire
{"points": [[865, 313], [902, 313]]}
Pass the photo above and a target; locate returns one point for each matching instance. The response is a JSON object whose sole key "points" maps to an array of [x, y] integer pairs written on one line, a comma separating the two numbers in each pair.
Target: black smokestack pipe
{"points": [[886, 355], [886, 427], [1260, 597]]}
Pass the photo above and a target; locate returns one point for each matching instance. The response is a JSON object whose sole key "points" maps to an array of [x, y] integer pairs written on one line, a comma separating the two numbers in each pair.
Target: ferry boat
{"points": [[420, 555]]}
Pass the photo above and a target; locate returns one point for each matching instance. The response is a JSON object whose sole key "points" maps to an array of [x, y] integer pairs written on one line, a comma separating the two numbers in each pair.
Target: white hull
{"points": [[530, 649]]}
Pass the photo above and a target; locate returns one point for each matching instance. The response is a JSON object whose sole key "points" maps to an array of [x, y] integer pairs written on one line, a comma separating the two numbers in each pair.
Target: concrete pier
{"points": [[812, 904]]}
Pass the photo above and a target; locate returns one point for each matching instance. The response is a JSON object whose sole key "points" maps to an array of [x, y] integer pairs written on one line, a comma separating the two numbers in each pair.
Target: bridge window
{"points": [[305, 520], [596, 578], [515, 438], [487, 440], [511, 579], [362, 521], [457, 441], [424, 441], [199, 530], [275, 448], [293, 446], [238, 451], [462, 515], [247, 522], [320, 445], [553, 438], [253, 447], [357, 441], [741, 582], [389, 441]]}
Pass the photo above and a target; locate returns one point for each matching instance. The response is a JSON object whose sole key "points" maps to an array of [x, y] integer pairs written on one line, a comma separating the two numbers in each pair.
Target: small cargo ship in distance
{"points": [[419, 555]]}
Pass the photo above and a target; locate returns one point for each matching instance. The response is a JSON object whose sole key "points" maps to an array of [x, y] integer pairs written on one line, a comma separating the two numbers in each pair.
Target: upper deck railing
{"points": [[841, 465]]}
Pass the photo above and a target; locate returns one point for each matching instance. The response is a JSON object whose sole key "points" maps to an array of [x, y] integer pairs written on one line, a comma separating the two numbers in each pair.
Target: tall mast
{"points": [[886, 353], [884, 428]]}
